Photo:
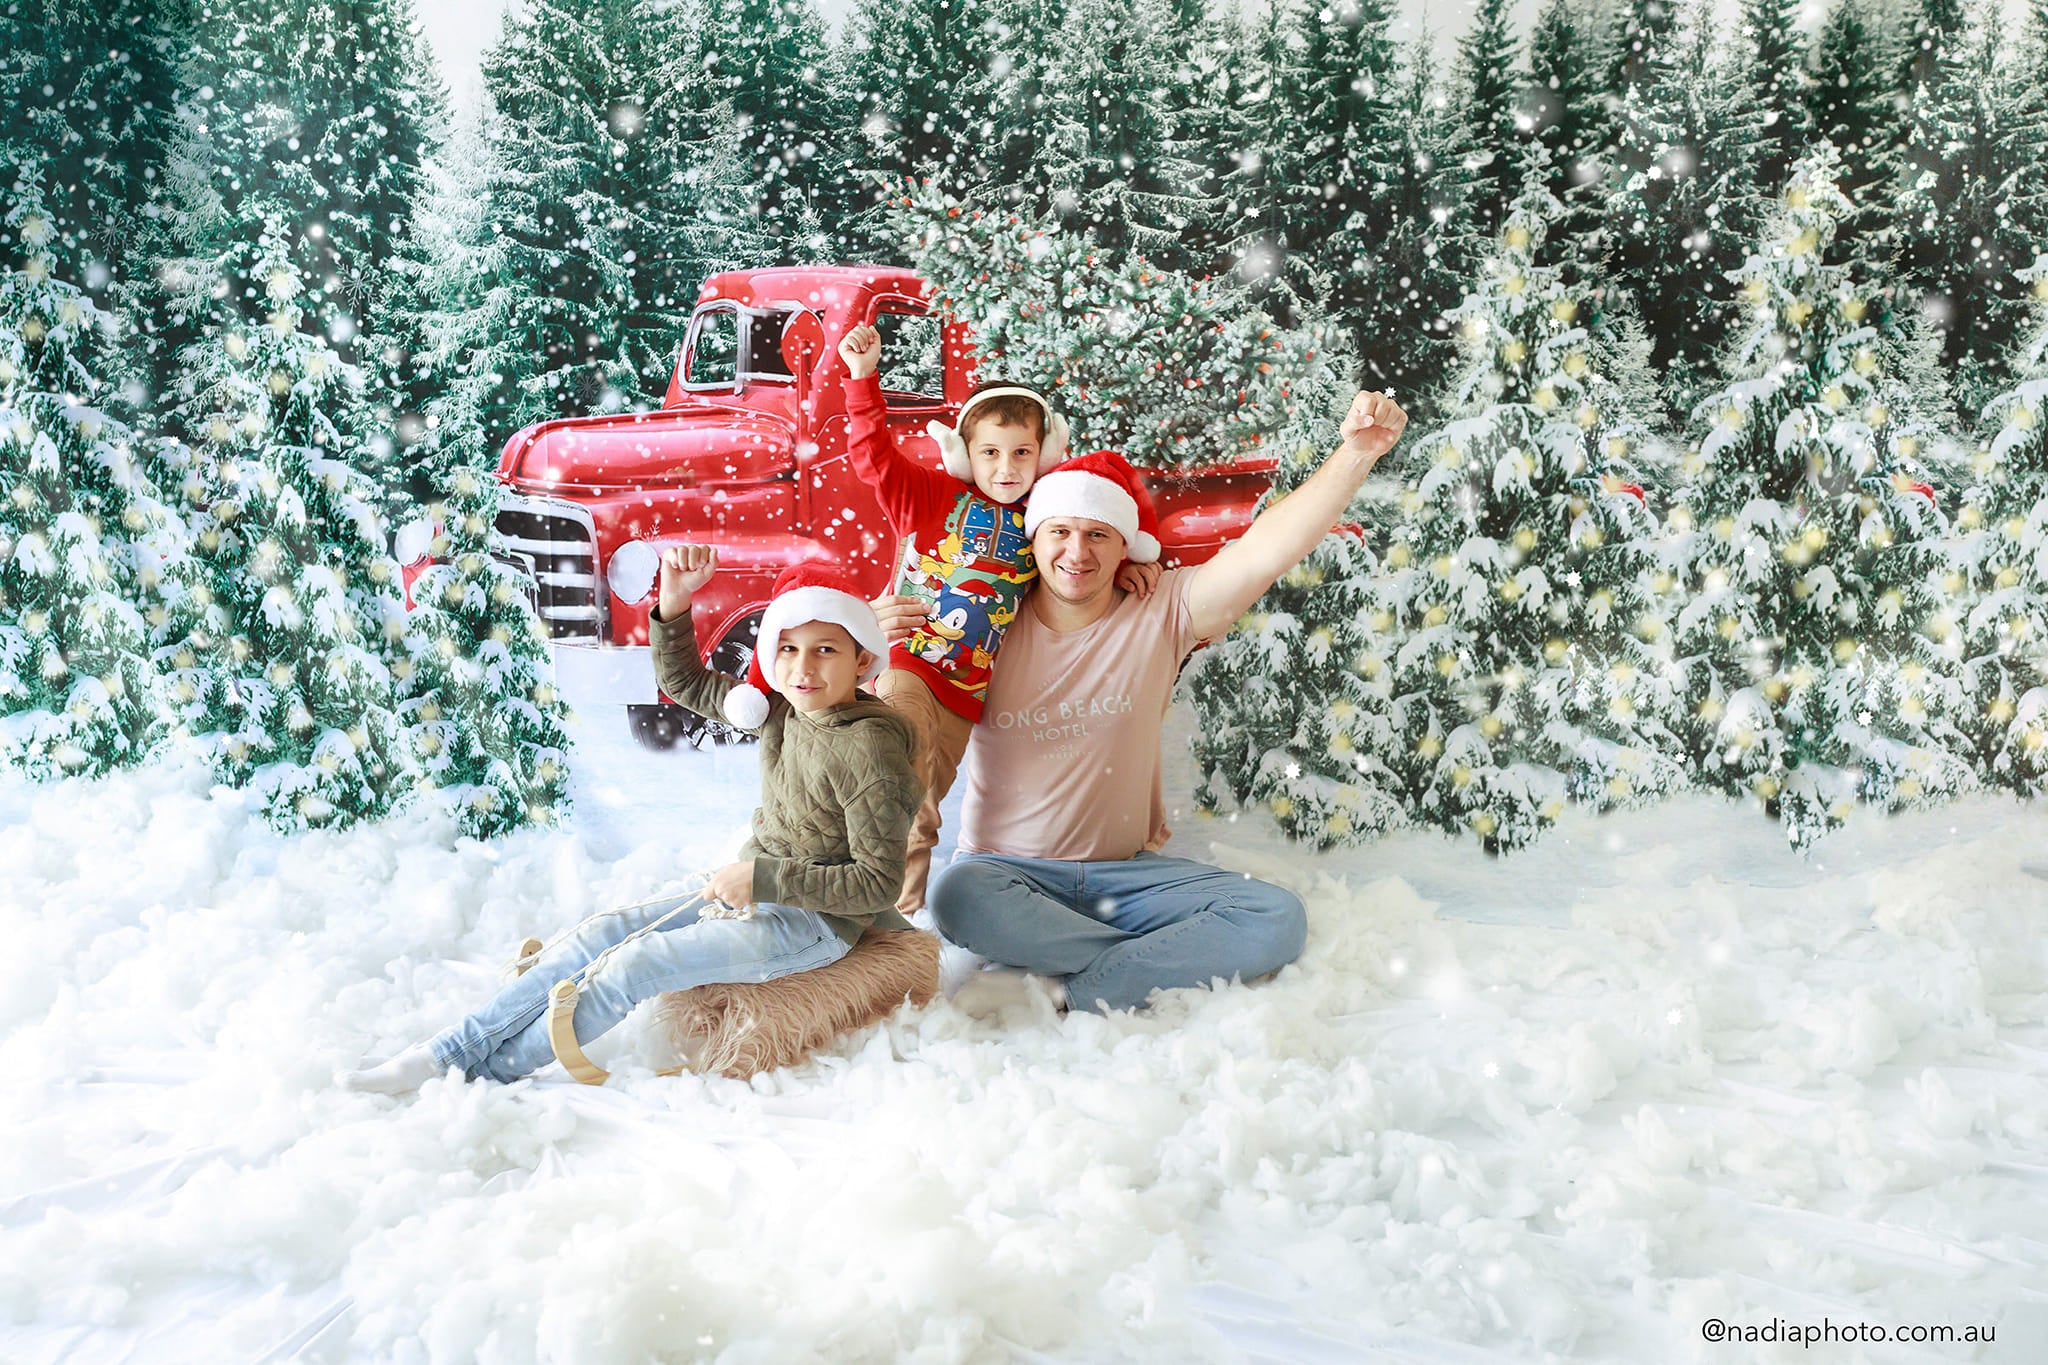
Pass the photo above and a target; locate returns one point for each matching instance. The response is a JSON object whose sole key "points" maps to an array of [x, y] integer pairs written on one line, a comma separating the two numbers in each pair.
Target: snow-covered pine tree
{"points": [[483, 719], [560, 104], [1005, 55], [469, 342], [1643, 36], [1430, 243], [1770, 61], [1201, 106], [1818, 640], [1489, 88], [1684, 200], [279, 615], [768, 63], [1852, 105], [1565, 105], [928, 102], [2027, 77], [1931, 38], [1330, 156], [82, 535], [1168, 369], [613, 194], [1509, 653], [90, 91], [692, 216], [319, 109], [2025, 94], [1963, 163], [484, 725], [1213, 109], [1250, 224], [386, 416], [1283, 709], [1109, 166], [2001, 529]]}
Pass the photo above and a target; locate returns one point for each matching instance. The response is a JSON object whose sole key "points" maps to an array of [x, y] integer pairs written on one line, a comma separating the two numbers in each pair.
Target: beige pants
{"points": [[941, 740]]}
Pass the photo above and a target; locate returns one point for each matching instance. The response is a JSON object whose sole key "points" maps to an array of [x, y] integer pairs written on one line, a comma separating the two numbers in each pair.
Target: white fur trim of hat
{"points": [[953, 446], [1091, 486], [747, 706]]}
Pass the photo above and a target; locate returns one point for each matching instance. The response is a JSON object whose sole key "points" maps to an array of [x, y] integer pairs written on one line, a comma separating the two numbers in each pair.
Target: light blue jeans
{"points": [[622, 957], [1117, 931]]}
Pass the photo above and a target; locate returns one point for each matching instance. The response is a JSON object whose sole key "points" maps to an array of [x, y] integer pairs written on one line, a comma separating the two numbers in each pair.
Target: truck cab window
{"points": [[714, 348], [764, 345], [913, 358]]}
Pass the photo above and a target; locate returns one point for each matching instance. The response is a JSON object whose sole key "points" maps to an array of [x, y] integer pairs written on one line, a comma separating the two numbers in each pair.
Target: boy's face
{"points": [[818, 665], [1003, 457]]}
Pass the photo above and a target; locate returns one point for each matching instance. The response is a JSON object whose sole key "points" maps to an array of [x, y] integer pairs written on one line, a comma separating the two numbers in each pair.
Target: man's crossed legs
{"points": [[1114, 932]]}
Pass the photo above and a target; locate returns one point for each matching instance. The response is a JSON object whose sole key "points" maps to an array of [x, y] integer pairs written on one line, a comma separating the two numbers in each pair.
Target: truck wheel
{"points": [[661, 726], [658, 727]]}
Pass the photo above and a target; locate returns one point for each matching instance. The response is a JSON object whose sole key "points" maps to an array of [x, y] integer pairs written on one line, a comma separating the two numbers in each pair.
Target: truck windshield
{"points": [[728, 344]]}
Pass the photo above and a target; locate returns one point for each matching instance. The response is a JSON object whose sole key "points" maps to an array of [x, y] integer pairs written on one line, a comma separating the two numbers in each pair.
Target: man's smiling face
{"points": [[1077, 557]]}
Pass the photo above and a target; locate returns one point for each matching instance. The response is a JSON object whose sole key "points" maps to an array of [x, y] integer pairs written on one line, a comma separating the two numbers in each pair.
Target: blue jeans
{"points": [[622, 957], [1117, 931]]}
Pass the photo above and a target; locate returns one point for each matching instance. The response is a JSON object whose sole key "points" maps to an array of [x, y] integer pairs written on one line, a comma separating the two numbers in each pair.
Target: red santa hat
{"points": [[1102, 487], [1052, 445], [804, 593]]}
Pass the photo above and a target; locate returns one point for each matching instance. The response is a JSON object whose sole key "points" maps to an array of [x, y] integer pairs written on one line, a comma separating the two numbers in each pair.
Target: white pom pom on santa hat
{"points": [[747, 705], [805, 592], [1103, 487]]}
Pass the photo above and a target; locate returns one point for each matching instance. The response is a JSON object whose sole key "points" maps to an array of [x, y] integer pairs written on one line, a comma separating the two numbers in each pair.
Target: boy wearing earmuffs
{"points": [[963, 551]]}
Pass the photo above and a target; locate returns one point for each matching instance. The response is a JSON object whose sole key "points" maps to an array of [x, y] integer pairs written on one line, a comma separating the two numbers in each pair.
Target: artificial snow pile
{"points": [[1560, 1105]]}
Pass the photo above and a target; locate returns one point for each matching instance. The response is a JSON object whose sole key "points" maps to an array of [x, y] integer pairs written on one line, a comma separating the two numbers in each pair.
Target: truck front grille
{"points": [[555, 544]]}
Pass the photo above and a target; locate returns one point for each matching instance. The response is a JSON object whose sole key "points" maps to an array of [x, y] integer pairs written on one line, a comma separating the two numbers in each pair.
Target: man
{"points": [[1064, 809]]}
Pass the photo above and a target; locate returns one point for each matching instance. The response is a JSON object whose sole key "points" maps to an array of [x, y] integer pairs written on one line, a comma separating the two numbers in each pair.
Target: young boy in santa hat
{"points": [[966, 557], [824, 860]]}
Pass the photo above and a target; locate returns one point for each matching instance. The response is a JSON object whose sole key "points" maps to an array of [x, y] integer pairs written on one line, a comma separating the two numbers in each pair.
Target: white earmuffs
{"points": [[953, 447]]}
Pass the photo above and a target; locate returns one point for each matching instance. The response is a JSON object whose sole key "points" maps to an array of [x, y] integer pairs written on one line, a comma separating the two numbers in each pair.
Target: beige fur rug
{"points": [[738, 1030]]}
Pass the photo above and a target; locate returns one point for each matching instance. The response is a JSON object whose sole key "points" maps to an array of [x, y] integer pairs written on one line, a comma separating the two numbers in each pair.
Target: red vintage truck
{"points": [[748, 453]]}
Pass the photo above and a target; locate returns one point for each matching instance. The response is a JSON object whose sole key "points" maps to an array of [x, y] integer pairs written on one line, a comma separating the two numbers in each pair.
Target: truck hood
{"points": [[675, 449]]}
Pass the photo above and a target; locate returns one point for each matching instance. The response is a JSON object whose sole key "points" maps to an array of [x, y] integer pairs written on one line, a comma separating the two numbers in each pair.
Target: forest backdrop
{"points": [[1724, 343]]}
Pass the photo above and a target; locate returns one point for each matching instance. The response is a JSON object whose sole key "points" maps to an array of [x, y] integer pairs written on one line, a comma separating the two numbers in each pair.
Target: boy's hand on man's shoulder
{"points": [[1372, 425], [1138, 579], [861, 349]]}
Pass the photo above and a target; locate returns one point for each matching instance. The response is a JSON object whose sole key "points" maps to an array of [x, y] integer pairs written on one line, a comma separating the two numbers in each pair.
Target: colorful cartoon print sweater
{"points": [[962, 554]]}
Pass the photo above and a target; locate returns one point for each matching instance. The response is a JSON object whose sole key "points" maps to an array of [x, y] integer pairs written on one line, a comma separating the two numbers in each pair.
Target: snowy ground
{"points": [[1567, 1105]]}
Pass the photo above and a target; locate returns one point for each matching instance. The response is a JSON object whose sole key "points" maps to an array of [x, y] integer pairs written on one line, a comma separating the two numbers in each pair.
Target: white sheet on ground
{"points": [[1566, 1104]]}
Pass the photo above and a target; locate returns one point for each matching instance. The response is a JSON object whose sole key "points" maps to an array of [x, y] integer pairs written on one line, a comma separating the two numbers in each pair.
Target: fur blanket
{"points": [[738, 1030]]}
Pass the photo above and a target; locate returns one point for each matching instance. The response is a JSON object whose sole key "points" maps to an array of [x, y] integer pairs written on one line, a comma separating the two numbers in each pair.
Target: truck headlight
{"points": [[631, 572]]}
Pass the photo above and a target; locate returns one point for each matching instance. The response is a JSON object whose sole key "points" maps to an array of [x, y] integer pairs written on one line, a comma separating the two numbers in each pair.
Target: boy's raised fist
{"points": [[685, 569], [861, 349]]}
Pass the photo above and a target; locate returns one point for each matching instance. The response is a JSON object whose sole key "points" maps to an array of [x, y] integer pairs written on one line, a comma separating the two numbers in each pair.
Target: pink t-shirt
{"points": [[1066, 760]]}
